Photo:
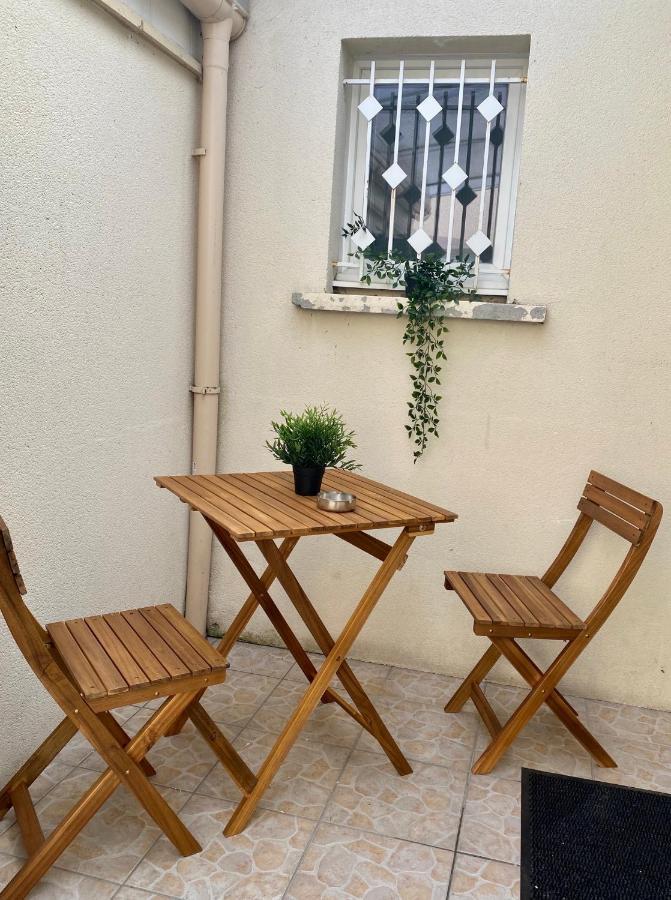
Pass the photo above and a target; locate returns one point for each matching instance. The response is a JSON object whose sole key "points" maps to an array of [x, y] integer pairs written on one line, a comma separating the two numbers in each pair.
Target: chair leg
{"points": [[528, 669], [37, 763], [85, 808], [482, 668], [231, 760], [123, 738]]}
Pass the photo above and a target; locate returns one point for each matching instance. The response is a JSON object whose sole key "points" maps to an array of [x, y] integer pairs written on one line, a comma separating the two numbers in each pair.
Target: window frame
{"points": [[493, 278]]}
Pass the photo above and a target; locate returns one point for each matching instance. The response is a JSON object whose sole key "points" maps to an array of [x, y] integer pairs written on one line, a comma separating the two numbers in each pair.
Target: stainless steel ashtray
{"points": [[336, 501]]}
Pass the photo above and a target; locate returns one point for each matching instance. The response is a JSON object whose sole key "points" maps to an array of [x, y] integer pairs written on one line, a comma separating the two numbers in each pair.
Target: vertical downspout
{"points": [[216, 40]]}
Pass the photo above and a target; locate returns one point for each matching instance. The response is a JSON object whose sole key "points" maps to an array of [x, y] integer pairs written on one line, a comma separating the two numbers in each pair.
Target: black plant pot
{"points": [[308, 480]]}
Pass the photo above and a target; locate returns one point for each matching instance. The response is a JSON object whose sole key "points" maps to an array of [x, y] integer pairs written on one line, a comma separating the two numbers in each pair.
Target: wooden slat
{"points": [[250, 516], [26, 817], [142, 655], [132, 673], [172, 663], [492, 599], [193, 661], [82, 671], [263, 505], [553, 612], [534, 610], [377, 504], [283, 489], [629, 513], [187, 496], [215, 660], [546, 615], [621, 491], [400, 504], [568, 614], [274, 513], [495, 613], [515, 610], [262, 492], [108, 673], [439, 513], [458, 584], [619, 526]]}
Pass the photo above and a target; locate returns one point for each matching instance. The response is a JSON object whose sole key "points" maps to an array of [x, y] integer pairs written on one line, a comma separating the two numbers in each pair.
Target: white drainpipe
{"points": [[222, 22]]}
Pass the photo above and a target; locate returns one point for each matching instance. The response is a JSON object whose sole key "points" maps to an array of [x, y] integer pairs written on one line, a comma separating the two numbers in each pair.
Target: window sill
{"points": [[466, 309]]}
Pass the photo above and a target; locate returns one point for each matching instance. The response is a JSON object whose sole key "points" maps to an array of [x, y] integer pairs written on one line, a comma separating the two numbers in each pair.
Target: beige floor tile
{"points": [[258, 863], [274, 662], [369, 674], [422, 728], [58, 884], [484, 879], [238, 698], [301, 787], [132, 893], [615, 720], [181, 761], [491, 821], [112, 843], [640, 764], [423, 807], [328, 723], [344, 862]]}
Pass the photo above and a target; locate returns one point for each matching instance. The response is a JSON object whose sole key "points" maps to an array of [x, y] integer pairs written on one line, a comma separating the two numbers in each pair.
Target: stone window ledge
{"points": [[466, 309]]}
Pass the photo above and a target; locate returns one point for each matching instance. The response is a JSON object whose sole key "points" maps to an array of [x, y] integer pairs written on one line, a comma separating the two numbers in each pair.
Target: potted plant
{"points": [[309, 442]]}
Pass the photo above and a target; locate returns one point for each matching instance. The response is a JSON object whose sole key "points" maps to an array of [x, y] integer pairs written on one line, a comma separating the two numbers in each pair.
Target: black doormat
{"points": [[586, 840]]}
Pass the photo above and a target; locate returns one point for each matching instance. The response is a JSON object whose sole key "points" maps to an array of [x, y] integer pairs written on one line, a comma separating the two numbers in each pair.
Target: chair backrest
{"points": [[29, 635], [629, 514]]}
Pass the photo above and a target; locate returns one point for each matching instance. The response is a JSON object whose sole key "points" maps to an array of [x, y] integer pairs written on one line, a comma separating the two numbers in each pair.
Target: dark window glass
{"points": [[441, 156]]}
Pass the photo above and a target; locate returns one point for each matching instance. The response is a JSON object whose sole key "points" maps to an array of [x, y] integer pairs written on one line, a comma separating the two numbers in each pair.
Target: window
{"points": [[432, 160]]}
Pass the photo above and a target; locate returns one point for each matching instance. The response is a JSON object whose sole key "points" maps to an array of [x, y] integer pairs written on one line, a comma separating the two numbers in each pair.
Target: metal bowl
{"points": [[336, 501]]}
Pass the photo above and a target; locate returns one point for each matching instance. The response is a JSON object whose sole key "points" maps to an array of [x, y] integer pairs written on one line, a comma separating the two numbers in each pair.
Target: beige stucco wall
{"points": [[96, 283], [527, 410]]}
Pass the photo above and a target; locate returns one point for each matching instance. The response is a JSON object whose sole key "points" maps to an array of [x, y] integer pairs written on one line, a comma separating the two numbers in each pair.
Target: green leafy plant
{"points": [[430, 283], [314, 438]]}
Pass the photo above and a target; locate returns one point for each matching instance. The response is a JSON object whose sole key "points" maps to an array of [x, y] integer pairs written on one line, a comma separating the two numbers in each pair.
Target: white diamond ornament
{"points": [[394, 175], [479, 242], [419, 241], [362, 238], [429, 108], [370, 107], [490, 108], [455, 176]]}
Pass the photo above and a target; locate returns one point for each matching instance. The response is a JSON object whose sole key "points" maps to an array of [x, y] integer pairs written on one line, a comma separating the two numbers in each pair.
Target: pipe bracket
{"points": [[205, 389], [199, 151]]}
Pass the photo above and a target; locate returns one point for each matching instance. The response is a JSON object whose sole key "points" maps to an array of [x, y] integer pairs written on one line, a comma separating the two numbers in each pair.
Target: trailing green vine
{"points": [[430, 283]]}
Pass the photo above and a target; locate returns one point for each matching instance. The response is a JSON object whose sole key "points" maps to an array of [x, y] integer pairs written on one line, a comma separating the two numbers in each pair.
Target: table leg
{"points": [[266, 602], [325, 642], [310, 699]]}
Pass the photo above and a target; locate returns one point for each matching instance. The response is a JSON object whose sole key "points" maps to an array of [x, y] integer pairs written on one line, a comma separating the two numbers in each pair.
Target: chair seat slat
{"points": [[97, 655], [85, 676]]}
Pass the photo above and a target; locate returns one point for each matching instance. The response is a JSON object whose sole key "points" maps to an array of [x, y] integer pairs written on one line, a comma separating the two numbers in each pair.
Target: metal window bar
{"points": [[389, 196]]}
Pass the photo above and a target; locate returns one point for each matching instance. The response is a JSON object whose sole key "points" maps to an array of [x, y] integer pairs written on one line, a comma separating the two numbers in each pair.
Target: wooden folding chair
{"points": [[505, 607], [90, 666]]}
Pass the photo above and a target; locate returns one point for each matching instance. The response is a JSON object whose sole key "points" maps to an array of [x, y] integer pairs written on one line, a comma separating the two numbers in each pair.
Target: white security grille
{"points": [[432, 162]]}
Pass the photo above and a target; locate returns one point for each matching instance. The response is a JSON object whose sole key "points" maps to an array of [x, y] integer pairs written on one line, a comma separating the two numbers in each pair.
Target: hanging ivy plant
{"points": [[430, 283]]}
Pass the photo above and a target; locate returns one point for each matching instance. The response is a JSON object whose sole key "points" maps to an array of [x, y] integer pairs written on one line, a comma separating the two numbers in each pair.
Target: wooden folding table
{"points": [[262, 507]]}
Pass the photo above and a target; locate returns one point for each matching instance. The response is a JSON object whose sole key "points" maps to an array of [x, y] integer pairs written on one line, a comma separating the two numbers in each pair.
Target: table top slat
{"points": [[377, 502], [263, 505]]}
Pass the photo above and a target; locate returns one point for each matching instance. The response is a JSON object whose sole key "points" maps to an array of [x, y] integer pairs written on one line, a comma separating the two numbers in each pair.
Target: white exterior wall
{"points": [[527, 409], [97, 191]]}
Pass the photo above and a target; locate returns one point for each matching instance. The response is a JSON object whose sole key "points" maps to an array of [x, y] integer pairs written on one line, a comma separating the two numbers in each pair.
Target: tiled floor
{"points": [[337, 821]]}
